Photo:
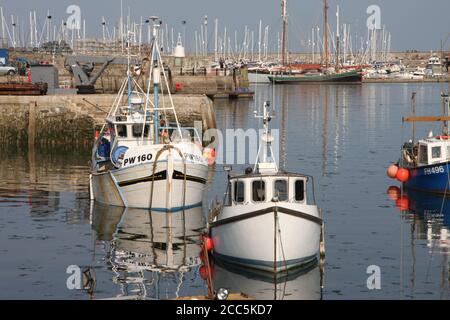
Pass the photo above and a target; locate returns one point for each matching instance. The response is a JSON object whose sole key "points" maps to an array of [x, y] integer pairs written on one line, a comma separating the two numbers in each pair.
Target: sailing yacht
{"points": [[139, 159], [268, 220]]}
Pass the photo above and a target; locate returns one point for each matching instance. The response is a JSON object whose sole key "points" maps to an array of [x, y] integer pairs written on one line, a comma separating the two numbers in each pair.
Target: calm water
{"points": [[345, 136]]}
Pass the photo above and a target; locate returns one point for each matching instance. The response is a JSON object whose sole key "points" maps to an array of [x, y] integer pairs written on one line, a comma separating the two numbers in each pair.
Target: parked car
{"points": [[7, 70]]}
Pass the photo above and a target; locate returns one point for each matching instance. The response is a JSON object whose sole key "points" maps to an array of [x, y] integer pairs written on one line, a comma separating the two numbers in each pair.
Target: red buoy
{"points": [[402, 175], [208, 243], [402, 203], [392, 171], [97, 134], [393, 192]]}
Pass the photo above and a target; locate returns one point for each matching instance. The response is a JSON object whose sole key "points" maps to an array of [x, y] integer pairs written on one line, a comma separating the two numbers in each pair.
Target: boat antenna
{"points": [[266, 139]]}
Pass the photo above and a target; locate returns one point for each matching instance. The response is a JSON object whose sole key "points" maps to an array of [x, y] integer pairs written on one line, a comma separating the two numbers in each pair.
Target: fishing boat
{"points": [[424, 165], [140, 159], [268, 220], [347, 76]]}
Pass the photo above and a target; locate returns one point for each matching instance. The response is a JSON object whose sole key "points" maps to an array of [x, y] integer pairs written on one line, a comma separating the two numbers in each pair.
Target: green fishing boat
{"points": [[348, 77]]}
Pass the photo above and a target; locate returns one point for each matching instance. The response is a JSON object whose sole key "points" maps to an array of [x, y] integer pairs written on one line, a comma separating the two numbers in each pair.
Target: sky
{"points": [[413, 24]]}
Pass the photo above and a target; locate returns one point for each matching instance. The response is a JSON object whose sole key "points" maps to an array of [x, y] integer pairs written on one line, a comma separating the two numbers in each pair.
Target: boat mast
{"points": [[325, 30], [130, 79], [284, 32], [156, 77]]}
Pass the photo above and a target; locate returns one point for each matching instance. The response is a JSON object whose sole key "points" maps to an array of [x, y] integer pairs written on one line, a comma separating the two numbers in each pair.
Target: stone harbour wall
{"points": [[70, 120]]}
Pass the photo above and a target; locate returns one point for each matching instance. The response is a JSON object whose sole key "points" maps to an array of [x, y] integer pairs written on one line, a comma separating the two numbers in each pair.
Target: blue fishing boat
{"points": [[424, 165]]}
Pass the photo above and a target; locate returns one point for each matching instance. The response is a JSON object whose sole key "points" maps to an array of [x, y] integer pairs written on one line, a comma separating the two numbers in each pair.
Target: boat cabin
{"points": [[133, 126], [256, 188], [433, 151]]}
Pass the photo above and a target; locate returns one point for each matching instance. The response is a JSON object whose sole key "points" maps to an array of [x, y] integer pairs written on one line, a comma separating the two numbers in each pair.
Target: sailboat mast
{"points": [[338, 36], [325, 30], [284, 32]]}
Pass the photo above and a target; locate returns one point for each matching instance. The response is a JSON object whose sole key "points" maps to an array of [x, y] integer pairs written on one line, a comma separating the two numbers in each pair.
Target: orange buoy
{"points": [[208, 243], [97, 134], [402, 175], [393, 192], [392, 171], [402, 203]]}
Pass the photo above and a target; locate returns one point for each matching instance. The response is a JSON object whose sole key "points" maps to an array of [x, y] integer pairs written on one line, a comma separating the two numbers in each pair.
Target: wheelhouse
{"points": [[433, 151], [256, 189]]}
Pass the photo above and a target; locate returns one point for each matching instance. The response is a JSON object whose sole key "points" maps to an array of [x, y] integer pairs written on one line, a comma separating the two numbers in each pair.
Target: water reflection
{"points": [[300, 285], [152, 255], [428, 217]]}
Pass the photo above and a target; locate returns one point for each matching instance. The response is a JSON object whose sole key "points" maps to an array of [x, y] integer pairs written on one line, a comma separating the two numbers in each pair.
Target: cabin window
{"points": [[137, 130], [259, 191], [423, 154], [299, 190], [239, 192], [436, 152], [281, 190], [122, 131]]}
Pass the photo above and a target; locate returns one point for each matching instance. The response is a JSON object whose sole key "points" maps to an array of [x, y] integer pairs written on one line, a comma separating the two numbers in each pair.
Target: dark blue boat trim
{"points": [[267, 265]]}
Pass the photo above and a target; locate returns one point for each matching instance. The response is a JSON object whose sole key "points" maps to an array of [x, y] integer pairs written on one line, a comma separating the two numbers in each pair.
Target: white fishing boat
{"points": [[268, 220], [141, 161]]}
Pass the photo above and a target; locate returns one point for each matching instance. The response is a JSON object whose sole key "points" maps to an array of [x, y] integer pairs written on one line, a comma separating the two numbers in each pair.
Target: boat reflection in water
{"points": [[303, 284], [434, 211], [430, 214], [152, 254]]}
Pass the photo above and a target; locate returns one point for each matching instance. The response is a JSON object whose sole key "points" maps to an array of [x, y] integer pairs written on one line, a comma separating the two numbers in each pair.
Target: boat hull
{"points": [[251, 242], [351, 77], [432, 178], [132, 186]]}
